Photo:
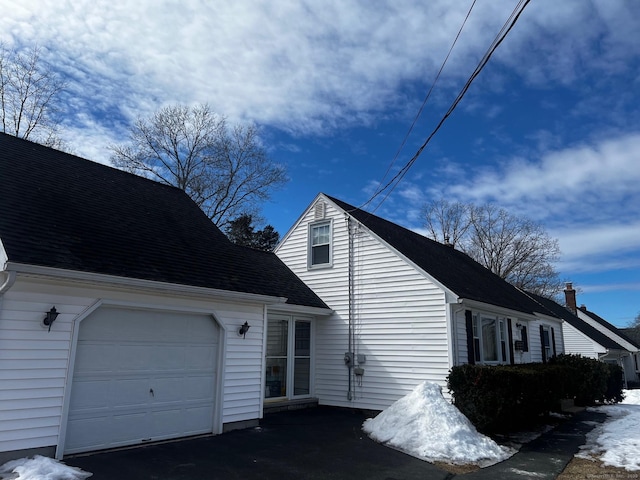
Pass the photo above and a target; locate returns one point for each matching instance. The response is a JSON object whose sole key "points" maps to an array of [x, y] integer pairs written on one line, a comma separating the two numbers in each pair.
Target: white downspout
{"points": [[7, 279]]}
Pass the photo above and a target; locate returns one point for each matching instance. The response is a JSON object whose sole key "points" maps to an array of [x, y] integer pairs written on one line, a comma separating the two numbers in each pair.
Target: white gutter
{"points": [[507, 312], [290, 308], [121, 282]]}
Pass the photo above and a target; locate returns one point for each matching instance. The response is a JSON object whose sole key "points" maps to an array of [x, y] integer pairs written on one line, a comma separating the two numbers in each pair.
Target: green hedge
{"points": [[507, 398]]}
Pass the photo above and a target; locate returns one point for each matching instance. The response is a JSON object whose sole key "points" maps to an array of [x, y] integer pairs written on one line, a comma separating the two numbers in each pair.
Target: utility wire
{"points": [[424, 102], [504, 31]]}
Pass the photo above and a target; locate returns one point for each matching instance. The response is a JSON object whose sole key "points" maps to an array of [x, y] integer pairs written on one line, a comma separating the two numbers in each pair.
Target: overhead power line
{"points": [[502, 34], [426, 98]]}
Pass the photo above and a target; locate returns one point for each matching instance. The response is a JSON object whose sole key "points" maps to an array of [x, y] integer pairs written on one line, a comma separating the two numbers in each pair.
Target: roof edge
{"points": [[37, 271]]}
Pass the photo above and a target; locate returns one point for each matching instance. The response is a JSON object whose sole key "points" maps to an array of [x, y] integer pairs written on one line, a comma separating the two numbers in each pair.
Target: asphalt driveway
{"points": [[319, 443], [316, 443]]}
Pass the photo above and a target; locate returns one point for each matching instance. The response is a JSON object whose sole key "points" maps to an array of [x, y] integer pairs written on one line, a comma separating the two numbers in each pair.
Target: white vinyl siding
{"points": [[399, 318], [34, 363], [578, 343]]}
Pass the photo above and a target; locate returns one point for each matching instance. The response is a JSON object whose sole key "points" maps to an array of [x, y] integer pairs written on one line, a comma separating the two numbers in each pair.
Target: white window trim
{"points": [[313, 225], [548, 354], [501, 331], [291, 356]]}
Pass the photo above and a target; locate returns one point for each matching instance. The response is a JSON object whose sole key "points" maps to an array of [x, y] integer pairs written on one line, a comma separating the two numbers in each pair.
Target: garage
{"points": [[141, 376]]}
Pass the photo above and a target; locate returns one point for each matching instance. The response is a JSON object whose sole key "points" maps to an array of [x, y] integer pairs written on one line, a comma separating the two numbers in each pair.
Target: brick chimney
{"points": [[570, 298]]}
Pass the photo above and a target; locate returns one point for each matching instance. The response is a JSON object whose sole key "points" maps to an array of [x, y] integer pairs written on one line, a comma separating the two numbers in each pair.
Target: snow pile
{"points": [[616, 442], [425, 425], [40, 468]]}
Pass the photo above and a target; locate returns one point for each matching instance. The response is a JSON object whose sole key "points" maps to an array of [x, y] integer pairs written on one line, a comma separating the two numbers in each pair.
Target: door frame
{"points": [[291, 319]]}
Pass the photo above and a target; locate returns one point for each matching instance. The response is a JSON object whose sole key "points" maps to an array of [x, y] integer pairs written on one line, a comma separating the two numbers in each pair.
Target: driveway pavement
{"points": [[317, 443]]}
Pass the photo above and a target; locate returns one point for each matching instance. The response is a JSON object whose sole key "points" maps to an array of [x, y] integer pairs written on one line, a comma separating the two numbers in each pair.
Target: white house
{"points": [[407, 309], [594, 337], [124, 312]]}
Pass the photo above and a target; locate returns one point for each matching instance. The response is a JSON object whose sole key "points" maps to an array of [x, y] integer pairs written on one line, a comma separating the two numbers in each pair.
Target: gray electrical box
{"points": [[362, 359], [359, 371], [348, 359]]}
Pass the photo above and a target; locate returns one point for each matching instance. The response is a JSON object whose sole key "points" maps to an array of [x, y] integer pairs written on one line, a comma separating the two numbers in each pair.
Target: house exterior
{"points": [[406, 308], [594, 337], [150, 300]]}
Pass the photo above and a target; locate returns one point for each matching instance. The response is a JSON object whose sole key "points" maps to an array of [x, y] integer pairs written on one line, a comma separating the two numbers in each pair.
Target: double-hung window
{"points": [[320, 244]]}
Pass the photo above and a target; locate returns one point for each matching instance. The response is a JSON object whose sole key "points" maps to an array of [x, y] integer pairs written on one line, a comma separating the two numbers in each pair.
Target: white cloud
{"points": [[611, 287], [586, 181], [301, 66]]}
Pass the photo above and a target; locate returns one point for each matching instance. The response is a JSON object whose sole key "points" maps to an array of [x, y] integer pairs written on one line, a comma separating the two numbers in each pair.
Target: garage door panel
{"points": [[199, 388], [135, 357], [169, 358], [93, 357], [141, 376], [91, 394], [129, 392], [193, 419], [200, 357]]}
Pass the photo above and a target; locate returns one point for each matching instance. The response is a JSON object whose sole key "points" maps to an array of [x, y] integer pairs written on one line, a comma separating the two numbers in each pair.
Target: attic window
{"points": [[320, 244]]}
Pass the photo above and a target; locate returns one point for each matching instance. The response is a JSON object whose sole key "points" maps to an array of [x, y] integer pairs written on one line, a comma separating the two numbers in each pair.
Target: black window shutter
{"points": [[510, 330], [553, 341], [468, 319], [525, 339], [544, 352]]}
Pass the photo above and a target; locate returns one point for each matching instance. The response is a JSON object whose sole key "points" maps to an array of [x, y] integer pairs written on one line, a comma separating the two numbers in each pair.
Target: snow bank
{"points": [[40, 468], [616, 442], [425, 425]]}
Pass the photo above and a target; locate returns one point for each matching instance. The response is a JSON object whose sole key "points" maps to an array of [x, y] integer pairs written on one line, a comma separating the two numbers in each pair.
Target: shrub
{"points": [[507, 398], [590, 381]]}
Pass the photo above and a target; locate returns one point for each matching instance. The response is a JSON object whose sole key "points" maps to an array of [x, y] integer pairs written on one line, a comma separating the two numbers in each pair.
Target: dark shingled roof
{"points": [[452, 268], [62, 211], [610, 327], [577, 323]]}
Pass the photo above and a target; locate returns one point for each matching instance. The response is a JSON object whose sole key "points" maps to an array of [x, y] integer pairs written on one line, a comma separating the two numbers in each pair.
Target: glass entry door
{"points": [[288, 361]]}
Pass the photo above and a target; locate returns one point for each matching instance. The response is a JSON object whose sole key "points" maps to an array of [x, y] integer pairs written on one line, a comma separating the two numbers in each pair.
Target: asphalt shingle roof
{"points": [[610, 327], [577, 323], [454, 269], [62, 211]]}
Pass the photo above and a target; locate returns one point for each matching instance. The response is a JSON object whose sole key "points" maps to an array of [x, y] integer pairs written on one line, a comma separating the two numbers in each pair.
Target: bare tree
{"points": [[225, 170], [29, 92], [514, 248], [447, 222]]}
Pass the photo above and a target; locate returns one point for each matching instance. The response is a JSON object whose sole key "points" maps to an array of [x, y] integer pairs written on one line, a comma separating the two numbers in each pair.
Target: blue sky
{"points": [[550, 129]]}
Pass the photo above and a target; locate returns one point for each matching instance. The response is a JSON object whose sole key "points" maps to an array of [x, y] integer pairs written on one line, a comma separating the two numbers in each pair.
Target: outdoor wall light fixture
{"points": [[50, 318], [244, 329]]}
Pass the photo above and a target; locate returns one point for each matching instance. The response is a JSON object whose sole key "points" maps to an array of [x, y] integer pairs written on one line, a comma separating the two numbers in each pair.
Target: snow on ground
{"points": [[616, 442], [40, 468], [425, 425]]}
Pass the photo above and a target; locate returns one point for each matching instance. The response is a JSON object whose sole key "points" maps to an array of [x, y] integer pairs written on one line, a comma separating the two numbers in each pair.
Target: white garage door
{"points": [[141, 376]]}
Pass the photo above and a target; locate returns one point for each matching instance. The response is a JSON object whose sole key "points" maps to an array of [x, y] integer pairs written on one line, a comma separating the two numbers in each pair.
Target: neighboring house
{"points": [[150, 299], [407, 309], [628, 351], [583, 339]]}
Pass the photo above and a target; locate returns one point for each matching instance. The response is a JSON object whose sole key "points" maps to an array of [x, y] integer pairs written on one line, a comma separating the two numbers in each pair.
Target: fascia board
{"points": [[301, 309], [297, 222], [507, 312], [37, 271], [606, 331]]}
